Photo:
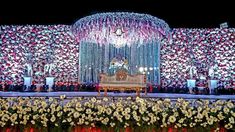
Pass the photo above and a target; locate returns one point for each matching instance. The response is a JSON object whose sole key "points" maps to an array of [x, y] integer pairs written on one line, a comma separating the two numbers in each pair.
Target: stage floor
{"points": [[112, 94]]}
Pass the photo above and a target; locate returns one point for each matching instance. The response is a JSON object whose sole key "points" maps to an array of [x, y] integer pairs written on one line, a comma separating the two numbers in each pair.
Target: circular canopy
{"points": [[120, 28]]}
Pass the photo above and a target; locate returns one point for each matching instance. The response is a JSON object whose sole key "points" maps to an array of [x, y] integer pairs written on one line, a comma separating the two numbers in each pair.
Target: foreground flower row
{"points": [[118, 113]]}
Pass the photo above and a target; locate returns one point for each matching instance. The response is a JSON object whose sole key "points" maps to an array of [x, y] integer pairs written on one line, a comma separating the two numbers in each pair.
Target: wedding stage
{"points": [[105, 42], [116, 95], [50, 76]]}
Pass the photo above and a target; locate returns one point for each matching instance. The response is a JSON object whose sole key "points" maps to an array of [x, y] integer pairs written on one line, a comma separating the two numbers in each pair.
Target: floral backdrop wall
{"points": [[46, 44], [55, 44], [202, 48]]}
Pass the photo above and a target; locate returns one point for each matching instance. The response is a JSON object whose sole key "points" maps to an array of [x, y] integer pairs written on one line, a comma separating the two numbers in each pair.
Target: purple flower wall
{"points": [[202, 47]]}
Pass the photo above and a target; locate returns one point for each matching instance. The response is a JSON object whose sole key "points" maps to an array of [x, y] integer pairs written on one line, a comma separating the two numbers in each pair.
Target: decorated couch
{"points": [[122, 81]]}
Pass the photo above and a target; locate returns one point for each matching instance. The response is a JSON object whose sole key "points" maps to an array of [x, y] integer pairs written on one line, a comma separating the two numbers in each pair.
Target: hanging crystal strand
{"points": [[142, 56], [102, 53], [152, 60], [88, 62], [99, 55], [111, 55], [156, 58], [138, 56], [106, 58], [130, 58], [135, 57], [132, 65], [124, 52], [112, 51], [110, 58], [149, 61], [83, 68], [91, 63], [145, 54], [127, 55], [85, 62], [94, 67], [158, 43], [97, 62]]}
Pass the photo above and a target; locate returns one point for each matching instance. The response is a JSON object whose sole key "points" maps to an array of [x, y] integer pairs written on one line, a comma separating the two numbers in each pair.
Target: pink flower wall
{"points": [[17, 41], [200, 47]]}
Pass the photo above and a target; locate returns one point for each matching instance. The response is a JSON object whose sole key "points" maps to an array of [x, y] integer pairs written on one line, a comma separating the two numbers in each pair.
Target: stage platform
{"points": [[112, 94]]}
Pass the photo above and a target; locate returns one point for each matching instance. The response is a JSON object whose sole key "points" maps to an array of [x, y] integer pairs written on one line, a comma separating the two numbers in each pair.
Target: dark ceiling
{"points": [[176, 13]]}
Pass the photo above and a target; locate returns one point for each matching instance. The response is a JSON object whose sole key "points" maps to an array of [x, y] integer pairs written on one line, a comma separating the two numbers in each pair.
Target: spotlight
{"points": [[224, 25], [146, 69], [141, 69]]}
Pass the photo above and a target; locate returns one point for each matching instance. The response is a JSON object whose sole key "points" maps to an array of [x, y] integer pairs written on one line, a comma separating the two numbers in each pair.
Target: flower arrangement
{"points": [[55, 114], [118, 63]]}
